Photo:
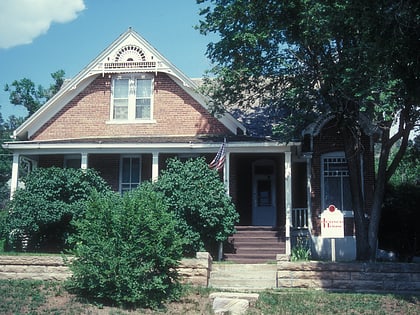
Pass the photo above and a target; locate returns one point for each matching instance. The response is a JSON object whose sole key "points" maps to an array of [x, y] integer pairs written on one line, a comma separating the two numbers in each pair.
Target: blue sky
{"points": [[38, 40]]}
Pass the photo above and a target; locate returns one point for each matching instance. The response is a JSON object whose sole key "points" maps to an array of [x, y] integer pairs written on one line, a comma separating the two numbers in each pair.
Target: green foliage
{"points": [[43, 210], [24, 92], [355, 61], [127, 249], [301, 251], [3, 231], [198, 198], [408, 171]]}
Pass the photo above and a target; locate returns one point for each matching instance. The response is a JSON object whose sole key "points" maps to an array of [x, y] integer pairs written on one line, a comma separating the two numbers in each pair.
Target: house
{"points": [[131, 109]]}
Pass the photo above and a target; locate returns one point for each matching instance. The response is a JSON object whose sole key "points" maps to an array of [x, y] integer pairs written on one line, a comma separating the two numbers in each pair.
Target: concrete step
{"points": [[243, 276]]}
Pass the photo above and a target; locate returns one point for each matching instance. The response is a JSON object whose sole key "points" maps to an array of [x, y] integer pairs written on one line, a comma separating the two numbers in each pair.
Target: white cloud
{"points": [[21, 21]]}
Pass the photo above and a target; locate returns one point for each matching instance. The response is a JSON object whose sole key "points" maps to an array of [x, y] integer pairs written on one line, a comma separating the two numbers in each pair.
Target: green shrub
{"points": [[302, 249], [3, 233], [199, 199], [127, 249], [42, 211]]}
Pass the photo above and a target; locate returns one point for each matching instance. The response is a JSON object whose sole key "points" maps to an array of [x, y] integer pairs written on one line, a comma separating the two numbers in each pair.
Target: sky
{"points": [[39, 37]]}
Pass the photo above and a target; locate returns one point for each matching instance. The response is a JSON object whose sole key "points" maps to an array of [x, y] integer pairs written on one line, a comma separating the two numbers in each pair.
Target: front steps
{"points": [[255, 245], [243, 277]]}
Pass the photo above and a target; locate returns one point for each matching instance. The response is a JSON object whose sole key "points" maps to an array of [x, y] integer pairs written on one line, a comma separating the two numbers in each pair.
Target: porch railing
{"points": [[300, 218]]}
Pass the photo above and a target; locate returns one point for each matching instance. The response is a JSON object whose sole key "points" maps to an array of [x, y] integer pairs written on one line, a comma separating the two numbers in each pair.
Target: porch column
{"points": [[15, 175], [288, 197], [309, 189], [84, 161], [226, 172], [155, 166]]}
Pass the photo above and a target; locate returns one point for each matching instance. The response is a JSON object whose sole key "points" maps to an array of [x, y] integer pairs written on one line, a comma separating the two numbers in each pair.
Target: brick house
{"points": [[131, 109]]}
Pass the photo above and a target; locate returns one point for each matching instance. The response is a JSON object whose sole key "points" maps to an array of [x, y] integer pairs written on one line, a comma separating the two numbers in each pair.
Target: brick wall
{"points": [[330, 140], [88, 114]]}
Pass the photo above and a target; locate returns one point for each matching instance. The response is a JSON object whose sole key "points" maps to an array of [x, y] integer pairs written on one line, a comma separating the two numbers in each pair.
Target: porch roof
{"points": [[174, 144]]}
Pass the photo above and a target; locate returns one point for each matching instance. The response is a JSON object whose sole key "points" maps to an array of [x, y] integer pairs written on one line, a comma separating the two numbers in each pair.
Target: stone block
{"points": [[230, 305]]}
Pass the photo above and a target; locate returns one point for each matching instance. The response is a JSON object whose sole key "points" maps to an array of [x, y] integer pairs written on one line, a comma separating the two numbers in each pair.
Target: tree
{"points": [[6, 128], [25, 93], [43, 210], [408, 171], [198, 197], [305, 58]]}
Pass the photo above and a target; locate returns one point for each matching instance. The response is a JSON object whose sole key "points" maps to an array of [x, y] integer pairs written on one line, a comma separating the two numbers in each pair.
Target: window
{"points": [[130, 173], [336, 186], [132, 98]]}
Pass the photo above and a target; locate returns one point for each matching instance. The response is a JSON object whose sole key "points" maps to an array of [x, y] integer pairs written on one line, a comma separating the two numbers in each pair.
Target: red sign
{"points": [[332, 223]]}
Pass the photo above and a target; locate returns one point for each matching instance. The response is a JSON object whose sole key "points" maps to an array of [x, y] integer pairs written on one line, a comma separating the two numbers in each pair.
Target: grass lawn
{"points": [[36, 297]]}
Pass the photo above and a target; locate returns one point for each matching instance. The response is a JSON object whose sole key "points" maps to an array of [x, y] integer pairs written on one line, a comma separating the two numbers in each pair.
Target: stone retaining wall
{"points": [[351, 276], [195, 270]]}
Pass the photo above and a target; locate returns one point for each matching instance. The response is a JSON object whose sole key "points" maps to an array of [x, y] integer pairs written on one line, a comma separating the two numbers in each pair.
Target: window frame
{"points": [[337, 155], [132, 98], [121, 171]]}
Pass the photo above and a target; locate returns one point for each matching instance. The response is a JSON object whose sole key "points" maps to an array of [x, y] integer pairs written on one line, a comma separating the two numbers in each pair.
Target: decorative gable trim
{"points": [[128, 53]]}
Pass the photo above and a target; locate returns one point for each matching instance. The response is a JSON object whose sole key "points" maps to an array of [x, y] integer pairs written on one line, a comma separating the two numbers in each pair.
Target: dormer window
{"points": [[132, 98]]}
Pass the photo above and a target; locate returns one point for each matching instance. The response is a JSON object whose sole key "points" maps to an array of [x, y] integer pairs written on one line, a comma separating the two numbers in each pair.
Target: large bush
{"points": [[127, 249], [199, 199], [41, 212]]}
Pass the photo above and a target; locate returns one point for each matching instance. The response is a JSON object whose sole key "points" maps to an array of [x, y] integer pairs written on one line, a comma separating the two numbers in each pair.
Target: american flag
{"points": [[219, 159]]}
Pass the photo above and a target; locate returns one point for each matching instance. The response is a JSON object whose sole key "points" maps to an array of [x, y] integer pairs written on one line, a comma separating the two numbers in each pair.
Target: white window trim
{"points": [[337, 154], [131, 110], [120, 183]]}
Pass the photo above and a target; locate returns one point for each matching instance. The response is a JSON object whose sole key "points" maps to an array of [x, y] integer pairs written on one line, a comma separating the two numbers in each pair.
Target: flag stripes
{"points": [[219, 159]]}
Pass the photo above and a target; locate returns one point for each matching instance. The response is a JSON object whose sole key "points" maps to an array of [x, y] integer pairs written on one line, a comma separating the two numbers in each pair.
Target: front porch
{"points": [[265, 179]]}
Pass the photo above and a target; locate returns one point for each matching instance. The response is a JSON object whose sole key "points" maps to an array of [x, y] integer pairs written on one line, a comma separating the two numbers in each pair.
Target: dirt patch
{"points": [[63, 302]]}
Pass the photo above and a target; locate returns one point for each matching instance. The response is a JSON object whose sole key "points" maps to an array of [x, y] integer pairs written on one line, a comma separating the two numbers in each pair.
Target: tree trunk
{"points": [[353, 152]]}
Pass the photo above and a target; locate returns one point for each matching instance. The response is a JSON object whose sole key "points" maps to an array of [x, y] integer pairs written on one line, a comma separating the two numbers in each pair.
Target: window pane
{"points": [[332, 192], [120, 109], [135, 170], [143, 108], [144, 88], [346, 194], [264, 193], [121, 88], [126, 170]]}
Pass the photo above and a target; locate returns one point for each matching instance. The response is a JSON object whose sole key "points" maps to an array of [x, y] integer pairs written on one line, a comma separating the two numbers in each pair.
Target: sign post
{"points": [[332, 226]]}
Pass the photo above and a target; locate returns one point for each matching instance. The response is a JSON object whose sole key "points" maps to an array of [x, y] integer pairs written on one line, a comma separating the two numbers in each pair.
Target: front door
{"points": [[264, 211]]}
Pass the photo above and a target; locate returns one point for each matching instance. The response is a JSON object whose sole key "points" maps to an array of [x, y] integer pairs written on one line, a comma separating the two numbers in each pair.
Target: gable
{"points": [[82, 107], [175, 113]]}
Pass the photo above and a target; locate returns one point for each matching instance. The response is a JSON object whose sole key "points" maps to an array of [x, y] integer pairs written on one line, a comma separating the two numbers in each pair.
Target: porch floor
{"points": [[255, 245]]}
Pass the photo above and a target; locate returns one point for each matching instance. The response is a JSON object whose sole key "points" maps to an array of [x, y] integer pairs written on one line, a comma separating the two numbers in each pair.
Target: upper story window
{"points": [[132, 98], [335, 182]]}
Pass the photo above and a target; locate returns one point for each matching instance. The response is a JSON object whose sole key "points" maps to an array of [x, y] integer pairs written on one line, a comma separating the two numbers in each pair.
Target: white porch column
{"points": [[309, 189], [288, 197], [84, 161], [226, 172], [155, 166], [15, 174]]}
